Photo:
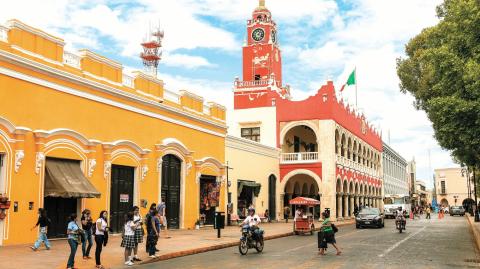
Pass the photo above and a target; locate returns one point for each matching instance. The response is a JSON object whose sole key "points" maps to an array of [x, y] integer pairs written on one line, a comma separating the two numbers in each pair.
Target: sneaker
{"points": [[33, 248], [129, 263], [135, 259], [153, 256]]}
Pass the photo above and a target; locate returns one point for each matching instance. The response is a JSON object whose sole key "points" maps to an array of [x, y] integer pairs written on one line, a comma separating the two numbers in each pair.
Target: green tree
{"points": [[442, 72]]}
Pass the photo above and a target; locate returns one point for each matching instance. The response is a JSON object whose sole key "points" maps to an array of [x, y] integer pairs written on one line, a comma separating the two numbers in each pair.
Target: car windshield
{"points": [[370, 211]]}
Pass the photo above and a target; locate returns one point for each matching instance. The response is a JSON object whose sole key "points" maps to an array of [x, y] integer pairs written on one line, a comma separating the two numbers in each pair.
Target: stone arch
{"points": [[354, 150], [359, 154], [305, 191], [343, 145], [349, 148], [444, 202], [307, 172], [345, 186], [289, 126], [337, 142], [338, 186]]}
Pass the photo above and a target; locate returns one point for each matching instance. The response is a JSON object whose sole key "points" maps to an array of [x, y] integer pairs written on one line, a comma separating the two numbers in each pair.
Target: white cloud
{"points": [[186, 61]]}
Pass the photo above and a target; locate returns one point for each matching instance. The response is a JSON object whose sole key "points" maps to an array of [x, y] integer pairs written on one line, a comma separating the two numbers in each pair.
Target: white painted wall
{"points": [[263, 117]]}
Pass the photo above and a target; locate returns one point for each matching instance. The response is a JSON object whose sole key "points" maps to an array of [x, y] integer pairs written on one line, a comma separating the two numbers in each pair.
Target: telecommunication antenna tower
{"points": [[152, 50]]}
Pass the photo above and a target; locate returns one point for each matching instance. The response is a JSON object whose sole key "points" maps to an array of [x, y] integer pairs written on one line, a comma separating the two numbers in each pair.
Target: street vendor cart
{"points": [[305, 223]]}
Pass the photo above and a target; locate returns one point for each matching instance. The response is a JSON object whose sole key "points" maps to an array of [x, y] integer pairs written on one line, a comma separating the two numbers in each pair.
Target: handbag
{"points": [[334, 228]]}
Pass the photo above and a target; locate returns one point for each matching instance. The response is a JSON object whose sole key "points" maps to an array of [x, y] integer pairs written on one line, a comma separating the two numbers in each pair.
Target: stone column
{"points": [[339, 206], [345, 205], [352, 205]]}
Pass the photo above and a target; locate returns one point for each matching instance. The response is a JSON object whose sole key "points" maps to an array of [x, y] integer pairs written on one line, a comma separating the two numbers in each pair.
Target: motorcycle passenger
{"points": [[399, 216], [252, 220]]}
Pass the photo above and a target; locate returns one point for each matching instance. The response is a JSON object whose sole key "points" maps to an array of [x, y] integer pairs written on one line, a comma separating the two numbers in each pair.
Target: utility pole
{"points": [[229, 196]]}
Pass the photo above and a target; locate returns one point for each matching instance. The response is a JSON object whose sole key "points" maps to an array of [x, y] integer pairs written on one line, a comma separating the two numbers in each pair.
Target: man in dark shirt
{"points": [[43, 221]]}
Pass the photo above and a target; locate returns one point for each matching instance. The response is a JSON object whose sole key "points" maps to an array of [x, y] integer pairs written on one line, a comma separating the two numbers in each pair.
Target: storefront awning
{"points": [[64, 178], [250, 184]]}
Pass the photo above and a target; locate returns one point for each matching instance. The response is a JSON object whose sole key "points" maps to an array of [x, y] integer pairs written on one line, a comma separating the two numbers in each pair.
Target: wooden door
{"points": [[272, 202], [121, 195], [171, 176], [59, 211]]}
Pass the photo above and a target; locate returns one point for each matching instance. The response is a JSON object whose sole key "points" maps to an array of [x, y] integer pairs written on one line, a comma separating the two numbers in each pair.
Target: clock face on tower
{"points": [[258, 34]]}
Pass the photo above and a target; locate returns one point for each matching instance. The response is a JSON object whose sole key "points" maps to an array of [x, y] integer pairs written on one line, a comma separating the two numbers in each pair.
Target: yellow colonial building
{"points": [[77, 132]]}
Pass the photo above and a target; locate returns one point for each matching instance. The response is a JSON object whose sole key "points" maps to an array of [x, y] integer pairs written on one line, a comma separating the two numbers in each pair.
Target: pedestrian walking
{"points": [[87, 225], [161, 208], [152, 232], [43, 221], [73, 239], [429, 211], [101, 232], [128, 238], [286, 213], [327, 235], [139, 233]]}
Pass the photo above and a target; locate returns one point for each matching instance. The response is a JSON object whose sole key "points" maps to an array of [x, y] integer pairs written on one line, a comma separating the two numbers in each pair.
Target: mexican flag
{"points": [[352, 80]]}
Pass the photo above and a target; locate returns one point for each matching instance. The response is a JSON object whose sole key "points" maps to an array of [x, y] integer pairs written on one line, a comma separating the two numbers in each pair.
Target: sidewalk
{"points": [[475, 230], [181, 243]]}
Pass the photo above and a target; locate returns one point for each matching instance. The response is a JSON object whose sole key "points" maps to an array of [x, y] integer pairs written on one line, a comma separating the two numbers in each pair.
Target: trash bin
{"points": [[219, 222]]}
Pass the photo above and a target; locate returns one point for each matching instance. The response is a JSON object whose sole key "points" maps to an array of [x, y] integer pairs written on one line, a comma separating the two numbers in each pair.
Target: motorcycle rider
{"points": [[400, 216], [252, 220]]}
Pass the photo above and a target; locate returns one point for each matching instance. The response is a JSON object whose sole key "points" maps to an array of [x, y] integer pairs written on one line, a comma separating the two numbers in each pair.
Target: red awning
{"points": [[304, 201]]}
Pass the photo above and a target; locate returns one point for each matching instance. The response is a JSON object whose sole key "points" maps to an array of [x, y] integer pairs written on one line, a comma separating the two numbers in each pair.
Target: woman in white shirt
{"points": [[128, 241], [101, 227], [137, 219]]}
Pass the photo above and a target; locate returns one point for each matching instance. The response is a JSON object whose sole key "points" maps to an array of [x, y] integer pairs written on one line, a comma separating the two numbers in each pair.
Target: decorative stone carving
{"points": [[197, 177], [107, 168], [189, 167], [144, 171], [19, 155], [92, 163], [159, 164], [40, 157]]}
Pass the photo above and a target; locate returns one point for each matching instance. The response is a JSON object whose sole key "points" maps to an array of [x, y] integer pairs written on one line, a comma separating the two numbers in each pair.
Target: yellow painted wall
{"points": [[25, 103], [253, 162]]}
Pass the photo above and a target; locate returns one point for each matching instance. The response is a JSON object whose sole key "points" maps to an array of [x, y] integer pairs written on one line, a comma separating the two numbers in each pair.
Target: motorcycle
{"points": [[401, 225], [250, 239]]}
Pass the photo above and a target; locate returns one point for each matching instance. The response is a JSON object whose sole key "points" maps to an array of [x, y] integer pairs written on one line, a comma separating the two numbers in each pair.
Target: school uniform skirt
{"points": [[128, 241], [138, 236]]}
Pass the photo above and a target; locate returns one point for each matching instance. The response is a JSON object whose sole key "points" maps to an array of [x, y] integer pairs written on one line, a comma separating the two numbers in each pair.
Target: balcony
{"points": [[299, 157]]}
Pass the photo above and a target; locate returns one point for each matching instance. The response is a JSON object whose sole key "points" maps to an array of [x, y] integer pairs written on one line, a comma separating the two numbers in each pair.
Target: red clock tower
{"points": [[261, 55], [262, 64]]}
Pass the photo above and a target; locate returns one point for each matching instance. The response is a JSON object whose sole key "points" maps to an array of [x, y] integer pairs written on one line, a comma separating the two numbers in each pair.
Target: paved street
{"points": [[432, 243]]}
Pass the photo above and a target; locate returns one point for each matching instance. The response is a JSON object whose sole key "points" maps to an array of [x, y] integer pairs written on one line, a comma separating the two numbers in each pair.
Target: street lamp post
{"points": [[229, 196]]}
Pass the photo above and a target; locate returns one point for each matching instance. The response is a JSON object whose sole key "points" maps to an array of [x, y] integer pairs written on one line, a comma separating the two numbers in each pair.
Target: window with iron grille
{"points": [[443, 187], [251, 133]]}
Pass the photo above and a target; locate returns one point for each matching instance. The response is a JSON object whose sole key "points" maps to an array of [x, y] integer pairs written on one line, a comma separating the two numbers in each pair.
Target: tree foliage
{"points": [[442, 72]]}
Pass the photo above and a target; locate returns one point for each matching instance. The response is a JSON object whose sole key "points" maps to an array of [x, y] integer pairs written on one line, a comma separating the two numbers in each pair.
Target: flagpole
{"points": [[356, 84]]}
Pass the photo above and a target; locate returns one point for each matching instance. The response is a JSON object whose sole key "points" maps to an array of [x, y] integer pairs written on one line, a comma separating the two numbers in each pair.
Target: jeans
{"points": [[42, 237], [73, 249], [85, 248], [151, 244], [98, 248]]}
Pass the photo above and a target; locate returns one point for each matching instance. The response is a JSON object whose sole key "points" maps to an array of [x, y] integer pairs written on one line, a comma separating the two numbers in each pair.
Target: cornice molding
{"points": [[10, 57], [18, 24], [96, 98]]}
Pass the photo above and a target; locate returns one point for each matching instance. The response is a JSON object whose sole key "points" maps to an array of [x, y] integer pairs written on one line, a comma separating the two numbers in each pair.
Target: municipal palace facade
{"points": [[77, 131]]}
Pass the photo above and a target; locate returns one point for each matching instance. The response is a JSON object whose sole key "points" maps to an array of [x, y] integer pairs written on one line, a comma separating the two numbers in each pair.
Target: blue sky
{"points": [[320, 39]]}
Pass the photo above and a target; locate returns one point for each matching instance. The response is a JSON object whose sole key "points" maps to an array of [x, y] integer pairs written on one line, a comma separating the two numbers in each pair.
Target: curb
{"points": [[193, 251], [475, 233]]}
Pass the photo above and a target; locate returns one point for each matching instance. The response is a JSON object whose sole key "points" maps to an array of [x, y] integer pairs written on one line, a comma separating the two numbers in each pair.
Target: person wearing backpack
{"points": [[153, 233], [101, 230], [43, 221]]}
